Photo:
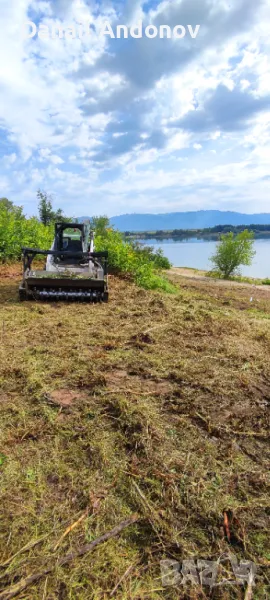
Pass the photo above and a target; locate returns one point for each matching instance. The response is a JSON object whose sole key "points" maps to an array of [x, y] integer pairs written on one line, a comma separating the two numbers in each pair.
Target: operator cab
{"points": [[71, 237], [71, 241]]}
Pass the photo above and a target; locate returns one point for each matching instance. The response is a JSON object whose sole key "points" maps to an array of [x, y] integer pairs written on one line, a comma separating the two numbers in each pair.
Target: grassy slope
{"points": [[166, 392]]}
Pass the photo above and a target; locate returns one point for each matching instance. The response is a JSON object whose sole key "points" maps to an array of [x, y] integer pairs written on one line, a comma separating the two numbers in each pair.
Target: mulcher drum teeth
{"points": [[67, 295], [80, 296]]}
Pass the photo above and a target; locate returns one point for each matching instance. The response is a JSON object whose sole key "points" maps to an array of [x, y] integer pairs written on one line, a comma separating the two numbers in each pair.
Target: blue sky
{"points": [[121, 126]]}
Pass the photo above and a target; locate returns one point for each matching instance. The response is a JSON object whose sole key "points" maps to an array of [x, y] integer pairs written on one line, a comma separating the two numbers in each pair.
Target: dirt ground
{"points": [[203, 276], [154, 405]]}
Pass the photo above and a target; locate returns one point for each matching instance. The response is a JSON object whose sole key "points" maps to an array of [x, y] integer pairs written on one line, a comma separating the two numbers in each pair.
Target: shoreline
{"points": [[185, 237], [199, 275]]}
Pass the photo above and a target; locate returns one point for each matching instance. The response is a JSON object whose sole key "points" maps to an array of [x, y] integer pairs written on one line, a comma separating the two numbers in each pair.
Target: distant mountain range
{"points": [[185, 220]]}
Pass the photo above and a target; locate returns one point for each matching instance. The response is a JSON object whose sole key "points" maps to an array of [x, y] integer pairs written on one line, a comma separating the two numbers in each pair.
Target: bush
{"points": [[17, 231], [148, 254], [137, 262], [233, 251]]}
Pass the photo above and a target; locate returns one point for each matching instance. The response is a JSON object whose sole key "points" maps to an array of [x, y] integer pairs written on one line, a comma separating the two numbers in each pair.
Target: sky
{"points": [[113, 126]]}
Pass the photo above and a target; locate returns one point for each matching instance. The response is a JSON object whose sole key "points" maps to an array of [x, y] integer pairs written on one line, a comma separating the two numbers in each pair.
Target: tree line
{"points": [[208, 231]]}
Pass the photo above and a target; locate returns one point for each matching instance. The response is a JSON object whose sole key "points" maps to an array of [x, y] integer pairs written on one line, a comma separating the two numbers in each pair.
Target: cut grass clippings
{"points": [[152, 404]]}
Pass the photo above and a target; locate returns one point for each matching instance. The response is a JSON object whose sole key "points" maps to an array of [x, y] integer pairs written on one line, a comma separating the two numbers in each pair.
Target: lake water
{"points": [[196, 253]]}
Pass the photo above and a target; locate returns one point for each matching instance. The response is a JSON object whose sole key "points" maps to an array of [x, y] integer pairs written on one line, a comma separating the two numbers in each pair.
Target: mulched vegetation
{"points": [[153, 405]]}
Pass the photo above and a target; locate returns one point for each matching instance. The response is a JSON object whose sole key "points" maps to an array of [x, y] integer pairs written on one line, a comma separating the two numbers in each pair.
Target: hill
{"points": [[185, 220]]}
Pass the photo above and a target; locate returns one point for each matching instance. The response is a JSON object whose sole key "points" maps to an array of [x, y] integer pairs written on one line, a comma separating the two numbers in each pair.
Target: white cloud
{"points": [[10, 159], [97, 118]]}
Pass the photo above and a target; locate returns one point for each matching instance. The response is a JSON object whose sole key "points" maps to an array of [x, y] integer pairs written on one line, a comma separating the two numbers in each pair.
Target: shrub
{"points": [[135, 261], [233, 251], [147, 252], [17, 231]]}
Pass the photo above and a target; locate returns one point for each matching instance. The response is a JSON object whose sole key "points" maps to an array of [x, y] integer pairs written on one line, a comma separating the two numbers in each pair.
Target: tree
{"points": [[7, 204], [100, 224], [10, 207], [233, 251], [46, 213], [45, 208], [59, 216]]}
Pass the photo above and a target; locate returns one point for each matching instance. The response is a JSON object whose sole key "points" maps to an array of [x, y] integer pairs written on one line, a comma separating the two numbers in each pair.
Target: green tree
{"points": [[232, 252], [46, 213], [10, 207], [5, 203], [45, 209], [100, 224], [59, 216]]}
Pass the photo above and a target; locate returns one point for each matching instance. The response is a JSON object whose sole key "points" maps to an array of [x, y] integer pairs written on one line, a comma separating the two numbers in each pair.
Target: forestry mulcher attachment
{"points": [[73, 270]]}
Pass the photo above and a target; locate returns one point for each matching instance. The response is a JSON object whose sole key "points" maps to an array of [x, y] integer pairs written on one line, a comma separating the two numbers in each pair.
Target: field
{"points": [[154, 407]]}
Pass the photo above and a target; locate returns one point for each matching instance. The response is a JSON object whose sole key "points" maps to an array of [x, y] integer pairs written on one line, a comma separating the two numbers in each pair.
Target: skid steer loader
{"points": [[73, 270]]}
